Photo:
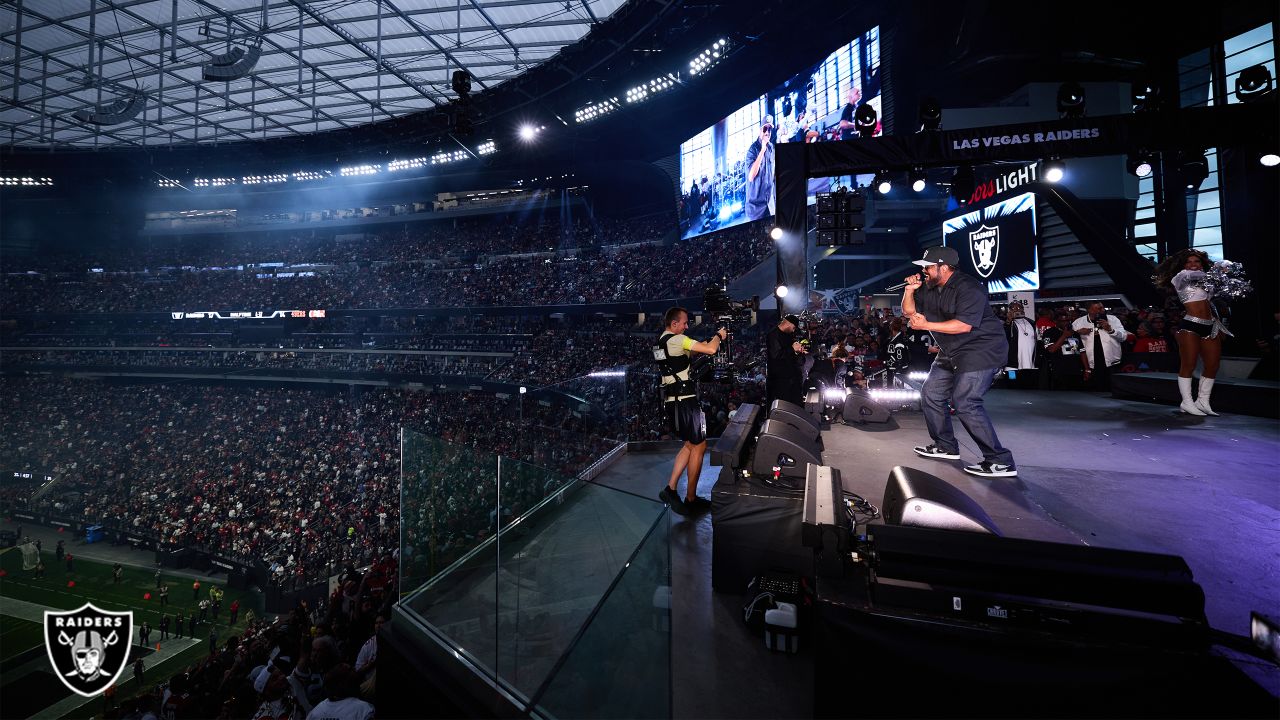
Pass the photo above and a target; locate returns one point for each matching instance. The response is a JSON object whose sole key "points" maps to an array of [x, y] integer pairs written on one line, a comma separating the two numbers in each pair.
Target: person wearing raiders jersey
{"points": [[897, 351], [681, 407]]}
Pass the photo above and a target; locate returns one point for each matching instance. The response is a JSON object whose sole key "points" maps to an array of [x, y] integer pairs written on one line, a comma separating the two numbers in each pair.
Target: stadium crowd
{"points": [[392, 242], [615, 274], [316, 661]]}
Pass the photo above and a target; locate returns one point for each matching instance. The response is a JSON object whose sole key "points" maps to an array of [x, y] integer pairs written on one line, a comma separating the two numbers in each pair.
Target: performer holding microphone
{"points": [[953, 307]]}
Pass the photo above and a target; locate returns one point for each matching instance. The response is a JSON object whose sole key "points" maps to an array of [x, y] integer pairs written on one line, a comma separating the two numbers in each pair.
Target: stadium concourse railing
{"points": [[526, 582]]}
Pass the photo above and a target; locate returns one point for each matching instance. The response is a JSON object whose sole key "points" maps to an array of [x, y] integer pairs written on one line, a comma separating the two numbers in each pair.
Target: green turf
{"points": [[93, 583], [18, 636]]}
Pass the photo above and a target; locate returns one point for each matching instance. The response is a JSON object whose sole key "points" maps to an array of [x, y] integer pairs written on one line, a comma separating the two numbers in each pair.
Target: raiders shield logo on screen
{"points": [[88, 647], [984, 249]]}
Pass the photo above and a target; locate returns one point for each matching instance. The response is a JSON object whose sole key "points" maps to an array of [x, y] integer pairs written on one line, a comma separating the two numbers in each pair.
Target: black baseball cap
{"points": [[939, 254], [792, 318]]}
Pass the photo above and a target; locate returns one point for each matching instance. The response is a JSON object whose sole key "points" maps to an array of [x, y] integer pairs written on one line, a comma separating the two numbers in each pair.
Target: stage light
{"points": [[1253, 83], [1071, 100], [600, 109], [893, 395], [1193, 166], [708, 58], [1269, 159], [834, 395], [882, 183], [1145, 97], [776, 233], [528, 132], [486, 148], [1053, 170], [918, 375], [461, 81], [643, 92], [865, 120], [930, 115], [1140, 164], [962, 184], [356, 170], [781, 291], [411, 164], [448, 156], [917, 178]]}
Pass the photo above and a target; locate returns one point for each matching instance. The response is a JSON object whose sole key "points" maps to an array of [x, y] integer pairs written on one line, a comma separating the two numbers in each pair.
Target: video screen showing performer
{"points": [[717, 184]]}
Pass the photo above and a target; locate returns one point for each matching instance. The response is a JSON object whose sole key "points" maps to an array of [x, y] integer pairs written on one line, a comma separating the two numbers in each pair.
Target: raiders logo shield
{"points": [[984, 249], [88, 647]]}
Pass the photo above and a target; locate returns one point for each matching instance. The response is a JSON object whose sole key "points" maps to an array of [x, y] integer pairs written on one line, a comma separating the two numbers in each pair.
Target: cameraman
{"points": [[681, 408], [782, 378]]}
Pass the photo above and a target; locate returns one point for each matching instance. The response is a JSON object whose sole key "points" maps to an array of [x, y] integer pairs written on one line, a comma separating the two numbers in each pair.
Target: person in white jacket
{"points": [[1100, 331]]}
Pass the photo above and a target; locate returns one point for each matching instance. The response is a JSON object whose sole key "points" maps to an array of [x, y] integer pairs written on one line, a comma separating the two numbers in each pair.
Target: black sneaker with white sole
{"points": [[935, 452], [991, 469]]}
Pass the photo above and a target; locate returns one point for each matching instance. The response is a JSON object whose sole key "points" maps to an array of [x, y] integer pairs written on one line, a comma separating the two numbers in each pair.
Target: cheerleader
{"points": [[1199, 335]]}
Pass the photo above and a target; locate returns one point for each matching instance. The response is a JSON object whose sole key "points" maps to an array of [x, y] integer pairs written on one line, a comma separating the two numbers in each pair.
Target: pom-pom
{"points": [[1225, 280]]}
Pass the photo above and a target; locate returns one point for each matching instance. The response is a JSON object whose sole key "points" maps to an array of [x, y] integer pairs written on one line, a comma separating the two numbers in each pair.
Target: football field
{"points": [[27, 685]]}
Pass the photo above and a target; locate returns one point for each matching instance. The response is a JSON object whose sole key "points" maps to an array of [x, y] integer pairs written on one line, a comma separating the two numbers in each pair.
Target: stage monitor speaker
{"points": [[803, 430], [813, 404], [860, 408], [784, 447], [792, 410], [917, 499], [730, 450]]}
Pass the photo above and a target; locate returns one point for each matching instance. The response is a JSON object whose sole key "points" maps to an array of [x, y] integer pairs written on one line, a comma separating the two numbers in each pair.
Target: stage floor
{"points": [[1093, 470]]}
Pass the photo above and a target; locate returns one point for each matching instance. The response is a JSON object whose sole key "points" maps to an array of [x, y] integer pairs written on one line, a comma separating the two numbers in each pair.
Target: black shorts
{"points": [[686, 420], [1204, 331]]}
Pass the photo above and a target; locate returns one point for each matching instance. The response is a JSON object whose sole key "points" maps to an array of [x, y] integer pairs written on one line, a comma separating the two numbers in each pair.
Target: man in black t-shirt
{"points": [[954, 307]]}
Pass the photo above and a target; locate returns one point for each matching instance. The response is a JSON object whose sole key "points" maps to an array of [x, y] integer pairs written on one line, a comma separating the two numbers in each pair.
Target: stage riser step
{"points": [[1259, 398]]}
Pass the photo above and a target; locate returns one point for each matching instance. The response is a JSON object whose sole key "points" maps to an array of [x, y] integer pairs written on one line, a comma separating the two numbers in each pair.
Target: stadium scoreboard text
{"points": [[247, 314]]}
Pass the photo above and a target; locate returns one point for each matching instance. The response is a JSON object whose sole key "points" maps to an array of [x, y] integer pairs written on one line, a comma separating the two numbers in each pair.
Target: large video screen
{"points": [[997, 243], [727, 170]]}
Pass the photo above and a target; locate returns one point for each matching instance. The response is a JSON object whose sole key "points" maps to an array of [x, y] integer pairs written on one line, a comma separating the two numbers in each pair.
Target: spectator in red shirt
{"points": [[1044, 320], [1148, 342]]}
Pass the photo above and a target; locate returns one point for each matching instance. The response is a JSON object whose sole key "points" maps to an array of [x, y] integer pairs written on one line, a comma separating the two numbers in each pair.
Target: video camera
{"points": [[727, 313]]}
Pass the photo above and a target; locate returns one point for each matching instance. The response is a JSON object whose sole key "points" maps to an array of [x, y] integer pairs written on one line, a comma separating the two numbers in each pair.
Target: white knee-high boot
{"points": [[1188, 405], [1202, 398]]}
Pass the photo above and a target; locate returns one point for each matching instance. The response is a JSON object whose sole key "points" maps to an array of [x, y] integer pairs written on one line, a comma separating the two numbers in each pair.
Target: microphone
{"points": [[899, 286]]}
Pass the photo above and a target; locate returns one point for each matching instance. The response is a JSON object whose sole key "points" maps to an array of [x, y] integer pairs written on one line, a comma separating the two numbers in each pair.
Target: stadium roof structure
{"points": [[137, 73]]}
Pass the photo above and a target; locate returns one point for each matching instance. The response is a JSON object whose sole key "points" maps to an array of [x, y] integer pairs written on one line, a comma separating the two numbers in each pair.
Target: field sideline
{"points": [[92, 581]]}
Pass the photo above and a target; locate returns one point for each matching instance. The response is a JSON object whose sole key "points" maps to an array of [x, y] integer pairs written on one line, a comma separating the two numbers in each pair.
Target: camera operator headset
{"points": [[681, 407]]}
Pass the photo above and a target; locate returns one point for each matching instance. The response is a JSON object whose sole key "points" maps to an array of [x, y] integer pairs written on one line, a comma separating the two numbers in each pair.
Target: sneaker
{"points": [[697, 505], [990, 469], [670, 497], [937, 453]]}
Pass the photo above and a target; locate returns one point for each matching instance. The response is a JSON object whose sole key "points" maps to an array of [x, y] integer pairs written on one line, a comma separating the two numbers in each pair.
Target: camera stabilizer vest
{"points": [[672, 367]]}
